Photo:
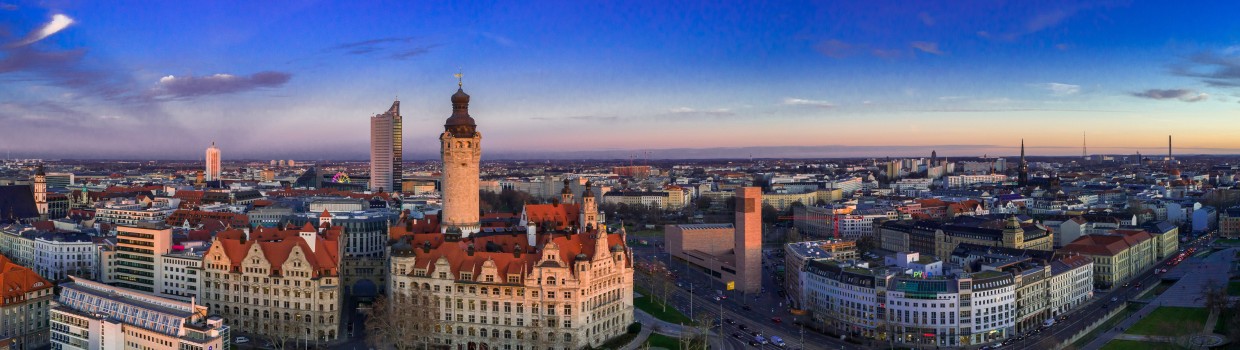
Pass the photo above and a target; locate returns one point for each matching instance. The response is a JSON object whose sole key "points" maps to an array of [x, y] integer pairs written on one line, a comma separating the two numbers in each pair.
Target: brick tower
{"points": [[748, 237], [461, 151]]}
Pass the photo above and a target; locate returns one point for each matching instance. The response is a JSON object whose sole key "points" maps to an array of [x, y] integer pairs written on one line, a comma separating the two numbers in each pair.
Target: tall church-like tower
{"points": [[461, 151], [1023, 170], [40, 192]]}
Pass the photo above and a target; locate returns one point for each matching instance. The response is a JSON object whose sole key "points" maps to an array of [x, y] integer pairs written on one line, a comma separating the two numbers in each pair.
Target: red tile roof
{"points": [[562, 216], [276, 245], [17, 280]]}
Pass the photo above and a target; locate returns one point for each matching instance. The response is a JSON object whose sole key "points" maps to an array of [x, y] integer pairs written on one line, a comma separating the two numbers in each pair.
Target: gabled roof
{"points": [[562, 216], [17, 280], [277, 244]]}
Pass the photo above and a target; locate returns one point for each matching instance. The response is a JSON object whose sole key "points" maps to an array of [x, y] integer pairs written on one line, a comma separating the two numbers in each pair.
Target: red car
{"points": [[776, 319]]}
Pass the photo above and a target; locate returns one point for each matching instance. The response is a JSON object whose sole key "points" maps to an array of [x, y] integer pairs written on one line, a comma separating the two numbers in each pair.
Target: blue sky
{"points": [[153, 79]]}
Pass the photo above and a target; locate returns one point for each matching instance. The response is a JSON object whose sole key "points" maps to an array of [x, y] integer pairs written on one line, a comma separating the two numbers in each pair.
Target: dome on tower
{"points": [[460, 111], [460, 96]]}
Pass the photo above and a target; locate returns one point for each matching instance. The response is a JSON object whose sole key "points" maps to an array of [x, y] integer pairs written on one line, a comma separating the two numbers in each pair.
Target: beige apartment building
{"points": [[277, 283]]}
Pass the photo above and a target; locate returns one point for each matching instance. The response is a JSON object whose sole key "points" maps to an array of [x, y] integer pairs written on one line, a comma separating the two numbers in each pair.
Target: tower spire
{"points": [[459, 82]]}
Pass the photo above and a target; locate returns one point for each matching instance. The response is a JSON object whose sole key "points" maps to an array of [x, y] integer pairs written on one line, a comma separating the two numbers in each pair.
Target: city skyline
{"points": [[882, 80]]}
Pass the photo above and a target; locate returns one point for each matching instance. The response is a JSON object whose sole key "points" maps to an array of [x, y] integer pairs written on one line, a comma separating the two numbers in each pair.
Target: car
{"points": [[241, 340], [737, 335], [778, 341], [777, 320], [729, 321], [718, 299], [755, 344], [1127, 284], [761, 339], [743, 327], [1114, 299], [746, 308], [755, 333]]}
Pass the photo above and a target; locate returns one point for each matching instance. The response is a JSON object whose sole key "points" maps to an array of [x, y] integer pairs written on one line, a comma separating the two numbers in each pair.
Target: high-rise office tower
{"points": [[385, 150], [213, 162], [461, 150]]}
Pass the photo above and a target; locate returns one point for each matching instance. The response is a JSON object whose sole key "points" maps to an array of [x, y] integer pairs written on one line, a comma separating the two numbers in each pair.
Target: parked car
{"points": [[241, 340], [776, 319]]}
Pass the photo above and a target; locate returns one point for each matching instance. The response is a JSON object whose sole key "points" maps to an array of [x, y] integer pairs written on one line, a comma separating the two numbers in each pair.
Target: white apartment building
{"points": [[129, 212], [95, 316], [1071, 284], [53, 255], [181, 274], [966, 180]]}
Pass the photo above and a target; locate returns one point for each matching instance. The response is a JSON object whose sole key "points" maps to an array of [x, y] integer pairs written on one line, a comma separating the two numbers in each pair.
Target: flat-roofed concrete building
{"points": [[731, 252], [95, 316]]}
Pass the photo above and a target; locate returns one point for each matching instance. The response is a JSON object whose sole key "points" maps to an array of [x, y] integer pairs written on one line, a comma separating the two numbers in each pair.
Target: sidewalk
{"points": [[637, 342]]}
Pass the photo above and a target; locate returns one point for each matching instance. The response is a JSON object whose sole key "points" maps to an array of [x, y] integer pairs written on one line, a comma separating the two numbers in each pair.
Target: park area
{"points": [[1171, 321]]}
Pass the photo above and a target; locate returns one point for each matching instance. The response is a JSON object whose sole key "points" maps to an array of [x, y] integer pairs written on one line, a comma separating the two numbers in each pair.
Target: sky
{"points": [[299, 79]]}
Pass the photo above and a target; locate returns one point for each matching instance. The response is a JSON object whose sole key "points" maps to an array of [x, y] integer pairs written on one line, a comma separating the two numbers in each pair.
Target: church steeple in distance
{"points": [[1023, 175]]}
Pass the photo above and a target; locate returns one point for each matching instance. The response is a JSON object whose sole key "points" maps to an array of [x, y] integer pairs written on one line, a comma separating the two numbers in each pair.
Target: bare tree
{"points": [[697, 336], [274, 324], [1216, 298], [405, 321]]}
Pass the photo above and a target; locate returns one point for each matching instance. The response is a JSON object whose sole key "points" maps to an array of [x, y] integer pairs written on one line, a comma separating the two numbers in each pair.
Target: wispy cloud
{"points": [[397, 48], [717, 112], [1186, 95], [218, 84], [58, 23], [791, 101], [927, 47], [926, 19], [1220, 69], [1039, 22], [1059, 89], [8, 6]]}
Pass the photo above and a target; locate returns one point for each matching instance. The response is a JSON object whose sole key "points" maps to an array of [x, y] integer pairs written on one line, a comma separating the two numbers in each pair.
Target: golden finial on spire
{"points": [[459, 83]]}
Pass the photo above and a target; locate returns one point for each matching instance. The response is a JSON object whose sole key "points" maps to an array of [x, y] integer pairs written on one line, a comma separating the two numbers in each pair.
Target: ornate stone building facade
{"points": [[559, 280], [278, 283]]}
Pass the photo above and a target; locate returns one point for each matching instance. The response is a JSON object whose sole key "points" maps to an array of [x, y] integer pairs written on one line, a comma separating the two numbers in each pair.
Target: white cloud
{"points": [[59, 22], [1059, 89], [927, 47], [791, 101]]}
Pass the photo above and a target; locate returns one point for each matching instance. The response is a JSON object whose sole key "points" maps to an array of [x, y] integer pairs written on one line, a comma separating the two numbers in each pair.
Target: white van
{"points": [[1049, 322]]}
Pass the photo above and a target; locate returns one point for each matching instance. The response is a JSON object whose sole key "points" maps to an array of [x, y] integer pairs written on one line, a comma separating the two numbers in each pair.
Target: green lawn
{"points": [[1156, 323], [1233, 288], [662, 341], [655, 309], [1223, 318]]}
